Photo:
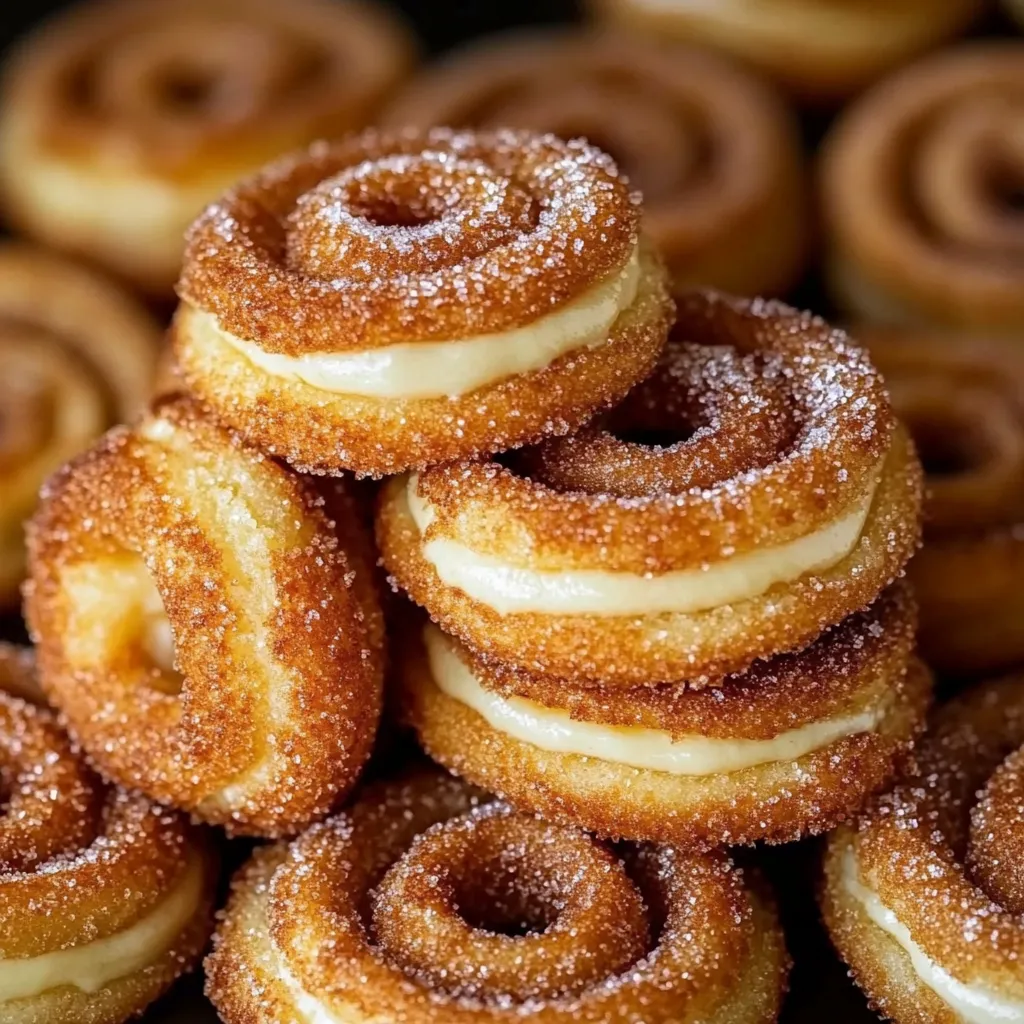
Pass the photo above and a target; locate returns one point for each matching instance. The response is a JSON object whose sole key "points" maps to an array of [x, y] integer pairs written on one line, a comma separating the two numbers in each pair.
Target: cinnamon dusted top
{"points": [[386, 238], [784, 424]]}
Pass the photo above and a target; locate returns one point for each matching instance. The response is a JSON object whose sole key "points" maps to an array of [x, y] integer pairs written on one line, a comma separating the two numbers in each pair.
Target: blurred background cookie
{"points": [[922, 190], [76, 355], [120, 120], [964, 403], [821, 50], [713, 149]]}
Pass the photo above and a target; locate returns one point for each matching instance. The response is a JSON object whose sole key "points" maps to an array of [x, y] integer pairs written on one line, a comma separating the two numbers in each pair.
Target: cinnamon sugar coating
{"points": [[863, 667], [122, 119], [206, 625], [942, 853], [79, 864], [387, 237], [786, 427], [76, 355], [821, 50], [322, 432], [386, 242], [715, 153], [919, 183], [964, 402], [428, 902]]}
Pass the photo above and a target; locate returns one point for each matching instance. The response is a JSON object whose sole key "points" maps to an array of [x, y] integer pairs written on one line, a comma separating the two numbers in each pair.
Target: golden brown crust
{"points": [[942, 130], [730, 488], [322, 432], [862, 667], [342, 878], [381, 238], [823, 52], [964, 402], [714, 151], [848, 668], [148, 110], [268, 714], [924, 851], [405, 239], [76, 355], [80, 863]]}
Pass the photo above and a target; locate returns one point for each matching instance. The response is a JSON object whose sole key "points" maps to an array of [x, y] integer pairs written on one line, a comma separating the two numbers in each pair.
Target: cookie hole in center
{"points": [[383, 213], [946, 451], [187, 90], [506, 899]]}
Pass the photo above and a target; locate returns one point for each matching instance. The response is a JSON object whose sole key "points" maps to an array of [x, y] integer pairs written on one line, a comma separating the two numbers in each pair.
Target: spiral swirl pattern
{"points": [[562, 557], [147, 111], [924, 898], [75, 356], [426, 903], [713, 151], [419, 296], [964, 404], [104, 899], [922, 184], [382, 239]]}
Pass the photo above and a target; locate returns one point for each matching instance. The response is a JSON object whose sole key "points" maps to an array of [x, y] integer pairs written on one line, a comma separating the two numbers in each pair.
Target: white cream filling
{"points": [[96, 964], [553, 729], [436, 369], [511, 590], [973, 1003]]}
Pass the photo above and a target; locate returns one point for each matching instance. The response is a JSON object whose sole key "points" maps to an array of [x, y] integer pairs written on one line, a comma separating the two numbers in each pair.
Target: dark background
{"points": [[438, 23]]}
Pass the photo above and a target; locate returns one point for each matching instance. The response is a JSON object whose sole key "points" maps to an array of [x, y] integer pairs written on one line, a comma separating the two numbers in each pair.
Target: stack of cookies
{"points": [[658, 545], [682, 623]]}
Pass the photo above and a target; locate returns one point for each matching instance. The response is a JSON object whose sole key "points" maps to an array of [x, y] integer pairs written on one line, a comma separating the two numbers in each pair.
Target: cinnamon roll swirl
{"points": [[714, 151], [788, 749], [924, 898], [750, 493], [121, 120], [963, 400], [105, 899], [76, 355], [922, 184], [396, 300], [426, 902], [207, 626]]}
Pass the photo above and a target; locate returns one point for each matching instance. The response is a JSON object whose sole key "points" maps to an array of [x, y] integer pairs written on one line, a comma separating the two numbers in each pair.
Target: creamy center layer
{"points": [[511, 590], [98, 963], [553, 729], [973, 1003], [436, 369]]}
